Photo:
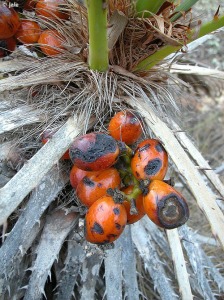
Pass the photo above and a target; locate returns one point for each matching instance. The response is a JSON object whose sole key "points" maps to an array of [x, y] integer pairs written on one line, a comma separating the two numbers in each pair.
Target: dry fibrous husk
{"points": [[63, 95]]}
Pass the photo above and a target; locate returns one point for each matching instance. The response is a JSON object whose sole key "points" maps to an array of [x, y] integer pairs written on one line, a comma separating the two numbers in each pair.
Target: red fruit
{"points": [[28, 32], [139, 205], [94, 151], [105, 221], [51, 42], [150, 160], [125, 127], [46, 137], [94, 186], [51, 9], [7, 46], [9, 22], [76, 175], [165, 206]]}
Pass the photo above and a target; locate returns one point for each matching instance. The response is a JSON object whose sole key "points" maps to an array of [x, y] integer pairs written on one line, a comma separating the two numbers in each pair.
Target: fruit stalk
{"points": [[98, 46], [126, 157], [163, 52]]}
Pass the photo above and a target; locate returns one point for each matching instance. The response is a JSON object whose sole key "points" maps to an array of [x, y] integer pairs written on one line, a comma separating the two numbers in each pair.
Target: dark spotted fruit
{"points": [[165, 206], [94, 151], [150, 160], [76, 175], [105, 221], [94, 186]]}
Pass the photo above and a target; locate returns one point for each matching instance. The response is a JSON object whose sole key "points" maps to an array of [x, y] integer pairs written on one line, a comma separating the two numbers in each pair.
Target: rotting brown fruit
{"points": [[94, 151], [165, 206]]}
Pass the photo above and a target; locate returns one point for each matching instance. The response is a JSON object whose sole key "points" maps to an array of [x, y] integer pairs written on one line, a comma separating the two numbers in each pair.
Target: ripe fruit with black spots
{"points": [[132, 218], [52, 9], [105, 221], [51, 42], [94, 186], [9, 22], [76, 175], [150, 160], [28, 32], [165, 206], [94, 151], [125, 126], [46, 136]]}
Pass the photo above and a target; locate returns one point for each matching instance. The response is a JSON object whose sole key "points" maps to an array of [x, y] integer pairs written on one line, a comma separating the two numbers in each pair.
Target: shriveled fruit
{"points": [[125, 126], [51, 42], [28, 32], [150, 160], [7, 46], [138, 203], [9, 22], [76, 175], [105, 221], [94, 151], [52, 9], [165, 206], [46, 136], [94, 186]]}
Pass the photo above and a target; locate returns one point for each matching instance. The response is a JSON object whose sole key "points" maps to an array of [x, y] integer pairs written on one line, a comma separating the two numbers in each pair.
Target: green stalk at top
{"points": [[163, 52], [97, 23], [145, 7]]}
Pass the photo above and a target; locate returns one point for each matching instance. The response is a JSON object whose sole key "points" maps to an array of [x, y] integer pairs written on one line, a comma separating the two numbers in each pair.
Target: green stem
{"points": [[123, 173], [183, 7], [145, 7], [126, 154], [132, 197], [213, 25], [135, 192], [163, 52], [152, 60], [98, 47]]}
